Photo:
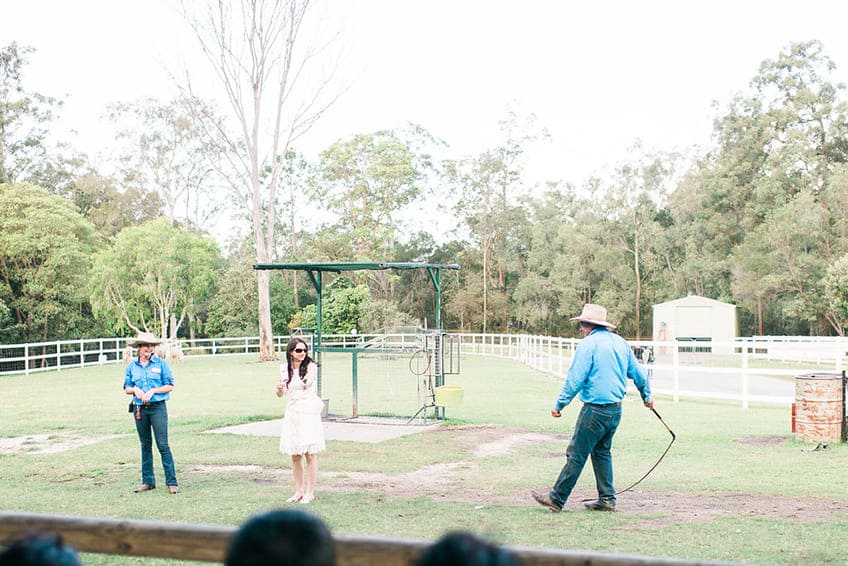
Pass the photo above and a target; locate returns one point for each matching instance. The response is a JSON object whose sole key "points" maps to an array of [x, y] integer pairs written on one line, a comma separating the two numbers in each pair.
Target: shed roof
{"points": [[695, 300]]}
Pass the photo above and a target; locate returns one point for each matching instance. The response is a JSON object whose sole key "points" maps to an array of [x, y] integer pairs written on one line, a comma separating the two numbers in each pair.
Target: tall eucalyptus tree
{"points": [[781, 149], [488, 189], [261, 60], [163, 154], [367, 181]]}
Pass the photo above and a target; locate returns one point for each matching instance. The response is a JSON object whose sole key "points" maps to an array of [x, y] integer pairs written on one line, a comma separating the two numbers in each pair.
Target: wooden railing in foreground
{"points": [[208, 543]]}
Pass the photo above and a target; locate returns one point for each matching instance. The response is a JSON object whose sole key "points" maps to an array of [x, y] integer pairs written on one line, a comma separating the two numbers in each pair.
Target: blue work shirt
{"points": [[602, 363], [155, 374]]}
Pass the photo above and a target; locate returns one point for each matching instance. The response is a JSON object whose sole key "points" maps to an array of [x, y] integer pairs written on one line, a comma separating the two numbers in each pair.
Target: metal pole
{"points": [[438, 286], [745, 376], [435, 274], [318, 326], [844, 407], [355, 380]]}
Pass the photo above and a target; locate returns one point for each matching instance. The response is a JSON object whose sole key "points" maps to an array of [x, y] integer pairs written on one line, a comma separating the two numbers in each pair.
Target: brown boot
{"points": [[600, 505], [544, 500]]}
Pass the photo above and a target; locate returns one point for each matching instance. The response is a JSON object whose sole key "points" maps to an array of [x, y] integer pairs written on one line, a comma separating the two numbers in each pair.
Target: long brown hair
{"points": [[293, 343]]}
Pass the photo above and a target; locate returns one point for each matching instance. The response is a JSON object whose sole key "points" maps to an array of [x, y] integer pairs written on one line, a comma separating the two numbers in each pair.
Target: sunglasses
{"points": [[299, 350]]}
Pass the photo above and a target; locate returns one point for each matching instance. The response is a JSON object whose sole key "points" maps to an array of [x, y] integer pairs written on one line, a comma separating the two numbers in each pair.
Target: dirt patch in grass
{"points": [[671, 508], [49, 443], [492, 441], [444, 481]]}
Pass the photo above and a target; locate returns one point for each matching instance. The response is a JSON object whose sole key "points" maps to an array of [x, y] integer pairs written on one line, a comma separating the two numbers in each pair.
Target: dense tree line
{"points": [[759, 220]]}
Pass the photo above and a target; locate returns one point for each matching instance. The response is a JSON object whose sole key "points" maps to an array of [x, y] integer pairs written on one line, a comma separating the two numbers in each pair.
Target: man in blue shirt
{"points": [[599, 370], [149, 380]]}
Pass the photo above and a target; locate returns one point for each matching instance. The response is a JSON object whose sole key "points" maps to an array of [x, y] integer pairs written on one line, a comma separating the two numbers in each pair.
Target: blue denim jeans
{"points": [[155, 416], [592, 436]]}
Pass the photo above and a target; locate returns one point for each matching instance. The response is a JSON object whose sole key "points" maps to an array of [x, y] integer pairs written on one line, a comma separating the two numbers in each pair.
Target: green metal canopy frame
{"points": [[315, 271]]}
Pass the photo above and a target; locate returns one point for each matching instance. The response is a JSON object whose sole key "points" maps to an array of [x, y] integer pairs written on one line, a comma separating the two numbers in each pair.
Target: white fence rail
{"points": [[62, 354], [757, 369]]}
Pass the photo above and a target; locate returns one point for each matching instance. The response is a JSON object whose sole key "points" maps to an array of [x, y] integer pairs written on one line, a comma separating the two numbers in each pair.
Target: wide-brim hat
{"points": [[594, 314], [144, 338]]}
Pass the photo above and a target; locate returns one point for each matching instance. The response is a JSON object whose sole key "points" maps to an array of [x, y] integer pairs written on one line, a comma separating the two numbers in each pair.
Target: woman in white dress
{"points": [[303, 432]]}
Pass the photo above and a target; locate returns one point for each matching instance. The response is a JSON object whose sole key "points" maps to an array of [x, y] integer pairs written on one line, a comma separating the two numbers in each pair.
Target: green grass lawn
{"points": [[736, 485]]}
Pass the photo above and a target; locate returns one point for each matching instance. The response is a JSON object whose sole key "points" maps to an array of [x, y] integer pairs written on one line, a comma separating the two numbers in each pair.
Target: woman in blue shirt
{"points": [[149, 380]]}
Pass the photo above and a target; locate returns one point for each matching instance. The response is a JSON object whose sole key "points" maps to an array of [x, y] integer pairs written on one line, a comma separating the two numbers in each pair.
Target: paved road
{"points": [[697, 379], [723, 382]]}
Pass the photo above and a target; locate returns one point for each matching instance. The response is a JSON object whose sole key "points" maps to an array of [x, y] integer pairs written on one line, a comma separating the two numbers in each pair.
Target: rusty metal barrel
{"points": [[820, 407]]}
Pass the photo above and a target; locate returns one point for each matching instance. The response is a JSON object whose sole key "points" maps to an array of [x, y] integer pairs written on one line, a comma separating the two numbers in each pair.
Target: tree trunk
{"points": [[191, 333], [258, 67], [638, 288], [485, 285], [266, 331]]}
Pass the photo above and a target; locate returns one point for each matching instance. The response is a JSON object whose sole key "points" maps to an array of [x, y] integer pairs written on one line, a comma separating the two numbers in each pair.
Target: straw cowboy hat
{"points": [[594, 314], [144, 338]]}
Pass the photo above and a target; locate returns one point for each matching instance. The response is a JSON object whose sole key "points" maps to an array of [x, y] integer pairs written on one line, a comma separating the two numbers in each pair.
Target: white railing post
{"points": [[540, 353], [82, 353], [534, 348], [26, 359], [559, 356], [534, 354], [58, 355], [550, 354], [675, 372], [572, 347]]}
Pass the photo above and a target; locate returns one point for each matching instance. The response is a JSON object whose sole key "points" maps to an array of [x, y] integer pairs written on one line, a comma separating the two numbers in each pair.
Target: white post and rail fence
{"points": [[758, 369]]}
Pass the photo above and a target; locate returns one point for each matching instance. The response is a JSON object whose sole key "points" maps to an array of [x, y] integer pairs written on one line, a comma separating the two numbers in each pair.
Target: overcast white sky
{"points": [[598, 75]]}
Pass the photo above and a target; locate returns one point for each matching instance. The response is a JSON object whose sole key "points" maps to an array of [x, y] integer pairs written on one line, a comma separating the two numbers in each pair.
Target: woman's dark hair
{"points": [[461, 548], [40, 550], [293, 343], [289, 536]]}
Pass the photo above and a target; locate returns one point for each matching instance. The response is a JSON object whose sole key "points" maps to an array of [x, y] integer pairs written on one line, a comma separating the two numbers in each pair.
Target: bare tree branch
{"points": [[255, 52]]}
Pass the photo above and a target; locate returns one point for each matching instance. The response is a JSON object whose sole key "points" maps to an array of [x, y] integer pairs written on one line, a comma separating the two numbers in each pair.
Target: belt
{"points": [[149, 405], [603, 405]]}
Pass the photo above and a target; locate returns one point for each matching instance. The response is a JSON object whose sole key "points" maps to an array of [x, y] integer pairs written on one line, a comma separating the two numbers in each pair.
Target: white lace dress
{"points": [[303, 431]]}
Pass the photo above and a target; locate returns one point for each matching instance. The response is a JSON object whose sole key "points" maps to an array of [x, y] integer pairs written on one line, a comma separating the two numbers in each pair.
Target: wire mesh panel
{"points": [[375, 383]]}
